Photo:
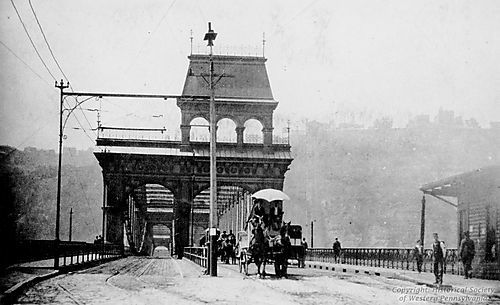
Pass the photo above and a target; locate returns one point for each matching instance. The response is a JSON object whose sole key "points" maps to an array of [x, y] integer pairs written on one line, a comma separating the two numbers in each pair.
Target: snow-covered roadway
{"points": [[141, 280]]}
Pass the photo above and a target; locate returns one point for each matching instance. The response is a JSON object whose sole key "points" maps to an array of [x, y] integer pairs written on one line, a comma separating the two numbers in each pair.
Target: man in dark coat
{"points": [[419, 255], [336, 250], [467, 252], [439, 258]]}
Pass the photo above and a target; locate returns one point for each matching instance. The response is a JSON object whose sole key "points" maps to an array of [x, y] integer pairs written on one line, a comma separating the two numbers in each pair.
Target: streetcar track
{"points": [[70, 295]]}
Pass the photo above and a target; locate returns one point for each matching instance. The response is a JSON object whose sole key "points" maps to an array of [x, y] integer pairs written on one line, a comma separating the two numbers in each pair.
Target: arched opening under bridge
{"points": [[148, 222]]}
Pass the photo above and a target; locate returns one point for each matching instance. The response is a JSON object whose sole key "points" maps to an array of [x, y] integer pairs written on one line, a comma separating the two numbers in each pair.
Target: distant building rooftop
{"points": [[483, 178]]}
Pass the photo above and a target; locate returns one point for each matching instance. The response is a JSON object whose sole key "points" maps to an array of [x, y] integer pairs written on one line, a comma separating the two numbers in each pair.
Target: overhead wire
{"points": [[45, 39], [60, 68], [31, 40], [48, 70], [26, 64], [41, 78], [40, 57]]}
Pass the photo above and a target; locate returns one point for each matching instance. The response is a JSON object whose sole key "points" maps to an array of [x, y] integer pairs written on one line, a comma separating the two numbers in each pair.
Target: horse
{"points": [[258, 248], [282, 249]]}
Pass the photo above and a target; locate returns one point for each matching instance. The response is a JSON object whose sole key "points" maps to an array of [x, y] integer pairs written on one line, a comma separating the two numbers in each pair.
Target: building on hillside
{"points": [[478, 211]]}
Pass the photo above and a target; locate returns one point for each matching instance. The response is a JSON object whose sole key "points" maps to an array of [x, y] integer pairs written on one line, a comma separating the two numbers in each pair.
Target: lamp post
{"points": [[210, 37]]}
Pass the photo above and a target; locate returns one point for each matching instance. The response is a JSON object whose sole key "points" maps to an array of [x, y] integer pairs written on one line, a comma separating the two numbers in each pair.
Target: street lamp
{"points": [[210, 37]]}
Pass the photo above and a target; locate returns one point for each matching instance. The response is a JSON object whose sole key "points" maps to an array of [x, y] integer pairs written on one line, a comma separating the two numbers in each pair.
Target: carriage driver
{"points": [[258, 213]]}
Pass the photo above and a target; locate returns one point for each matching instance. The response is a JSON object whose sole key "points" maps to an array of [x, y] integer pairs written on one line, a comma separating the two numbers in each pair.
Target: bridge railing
{"points": [[70, 253], [393, 258], [81, 253], [199, 255]]}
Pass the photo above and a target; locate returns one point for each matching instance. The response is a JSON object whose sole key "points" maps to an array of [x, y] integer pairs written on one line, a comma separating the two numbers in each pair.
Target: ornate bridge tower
{"points": [[243, 93]]}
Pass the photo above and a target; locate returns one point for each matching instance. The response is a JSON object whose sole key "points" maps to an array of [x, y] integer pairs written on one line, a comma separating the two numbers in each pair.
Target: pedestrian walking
{"points": [[439, 253], [418, 252], [467, 252], [337, 248]]}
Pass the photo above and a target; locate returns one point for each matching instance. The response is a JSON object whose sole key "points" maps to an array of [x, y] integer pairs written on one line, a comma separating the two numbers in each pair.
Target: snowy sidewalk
{"points": [[470, 286], [18, 276]]}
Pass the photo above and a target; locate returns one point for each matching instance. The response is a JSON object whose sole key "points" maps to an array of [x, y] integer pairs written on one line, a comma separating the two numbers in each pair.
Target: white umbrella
{"points": [[270, 195]]}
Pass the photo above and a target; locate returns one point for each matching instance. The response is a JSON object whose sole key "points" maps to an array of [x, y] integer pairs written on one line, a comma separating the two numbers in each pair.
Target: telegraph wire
{"points": [[26, 64], [31, 40], [45, 39], [84, 130], [59, 66]]}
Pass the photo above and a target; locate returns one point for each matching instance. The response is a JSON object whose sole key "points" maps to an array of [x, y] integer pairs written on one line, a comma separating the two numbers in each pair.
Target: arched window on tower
{"points": [[226, 131], [253, 132], [199, 130]]}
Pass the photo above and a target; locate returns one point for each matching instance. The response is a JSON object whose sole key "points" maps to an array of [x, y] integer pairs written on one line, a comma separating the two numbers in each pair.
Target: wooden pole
{"points": [[422, 222]]}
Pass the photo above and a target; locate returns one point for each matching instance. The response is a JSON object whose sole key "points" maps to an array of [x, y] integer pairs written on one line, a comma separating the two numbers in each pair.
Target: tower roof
{"points": [[243, 77]]}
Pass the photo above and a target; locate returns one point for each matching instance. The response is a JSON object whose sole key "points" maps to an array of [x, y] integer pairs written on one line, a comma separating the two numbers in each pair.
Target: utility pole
{"points": [[422, 222], [210, 36], [193, 180], [70, 223], [61, 87], [312, 234]]}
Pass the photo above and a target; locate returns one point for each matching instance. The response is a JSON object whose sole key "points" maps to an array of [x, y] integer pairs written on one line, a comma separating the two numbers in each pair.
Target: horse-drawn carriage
{"points": [[266, 237]]}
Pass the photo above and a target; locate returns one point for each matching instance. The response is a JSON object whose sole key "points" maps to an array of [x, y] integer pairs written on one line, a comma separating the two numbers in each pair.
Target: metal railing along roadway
{"points": [[199, 255], [70, 253], [393, 258]]}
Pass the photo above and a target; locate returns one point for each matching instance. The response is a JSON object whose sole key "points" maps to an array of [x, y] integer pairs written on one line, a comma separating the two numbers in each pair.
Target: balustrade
{"points": [[392, 258]]}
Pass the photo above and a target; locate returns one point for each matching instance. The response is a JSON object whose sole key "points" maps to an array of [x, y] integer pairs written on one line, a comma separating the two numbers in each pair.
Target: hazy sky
{"points": [[325, 59]]}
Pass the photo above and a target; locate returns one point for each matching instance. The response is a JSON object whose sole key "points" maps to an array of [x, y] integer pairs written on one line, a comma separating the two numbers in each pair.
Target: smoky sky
{"points": [[327, 60]]}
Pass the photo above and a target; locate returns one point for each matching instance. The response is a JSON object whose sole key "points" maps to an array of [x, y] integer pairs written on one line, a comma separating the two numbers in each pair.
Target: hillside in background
{"points": [[30, 180], [359, 185], [362, 186]]}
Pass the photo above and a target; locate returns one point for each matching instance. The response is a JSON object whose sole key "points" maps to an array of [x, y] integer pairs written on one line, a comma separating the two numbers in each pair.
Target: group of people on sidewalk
{"points": [[466, 254]]}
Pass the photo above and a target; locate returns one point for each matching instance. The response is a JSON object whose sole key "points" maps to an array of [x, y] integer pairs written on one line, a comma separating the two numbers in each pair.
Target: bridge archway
{"points": [[149, 212], [162, 236]]}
